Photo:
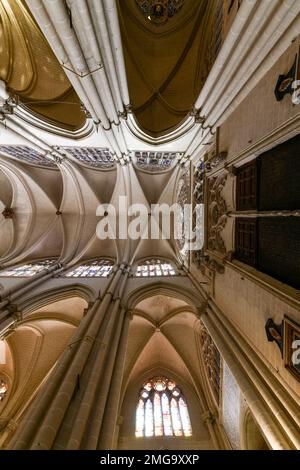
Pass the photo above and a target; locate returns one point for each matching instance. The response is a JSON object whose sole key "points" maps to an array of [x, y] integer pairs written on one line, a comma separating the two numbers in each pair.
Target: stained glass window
{"points": [[92, 156], [27, 270], [154, 267], [155, 161], [162, 410], [165, 405], [99, 268], [27, 154], [140, 419], [149, 419]]}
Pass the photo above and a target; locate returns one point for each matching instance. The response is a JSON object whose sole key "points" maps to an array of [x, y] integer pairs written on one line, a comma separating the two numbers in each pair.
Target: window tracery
{"points": [[154, 267], [27, 154], [155, 161], [99, 268], [162, 410], [27, 270], [92, 156]]}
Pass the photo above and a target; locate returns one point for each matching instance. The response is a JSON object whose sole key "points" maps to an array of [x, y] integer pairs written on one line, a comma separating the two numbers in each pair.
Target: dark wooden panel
{"points": [[279, 248], [246, 187], [279, 177], [246, 240]]}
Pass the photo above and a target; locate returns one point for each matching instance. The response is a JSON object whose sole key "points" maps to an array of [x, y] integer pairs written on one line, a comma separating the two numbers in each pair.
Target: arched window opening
{"points": [[28, 155], [28, 270], [154, 267], [162, 410], [91, 156], [252, 436], [155, 161], [99, 268]]}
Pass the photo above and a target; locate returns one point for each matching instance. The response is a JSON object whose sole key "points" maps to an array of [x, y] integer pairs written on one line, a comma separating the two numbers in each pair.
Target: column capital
{"points": [[15, 312], [120, 420], [129, 314], [124, 267], [201, 309], [12, 425], [4, 423], [232, 170], [208, 417]]}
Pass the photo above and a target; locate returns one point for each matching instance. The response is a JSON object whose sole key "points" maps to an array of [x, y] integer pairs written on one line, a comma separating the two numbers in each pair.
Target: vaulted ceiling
{"points": [[54, 210], [167, 58], [31, 70], [46, 46], [168, 55]]}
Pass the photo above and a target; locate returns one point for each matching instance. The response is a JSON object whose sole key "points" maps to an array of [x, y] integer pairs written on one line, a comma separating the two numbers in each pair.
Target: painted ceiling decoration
{"points": [[174, 59], [31, 71], [159, 11]]}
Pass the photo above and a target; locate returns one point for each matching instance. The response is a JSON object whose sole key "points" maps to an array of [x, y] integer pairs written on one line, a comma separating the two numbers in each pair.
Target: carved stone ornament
{"points": [[8, 213], [274, 332], [215, 161], [217, 214], [212, 361], [196, 114], [159, 12], [213, 265]]}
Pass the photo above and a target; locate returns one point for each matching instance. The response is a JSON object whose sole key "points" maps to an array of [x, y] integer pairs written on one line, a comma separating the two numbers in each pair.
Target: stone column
{"points": [[91, 403], [210, 420], [258, 407], [53, 405], [289, 402], [269, 391], [109, 426]]}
